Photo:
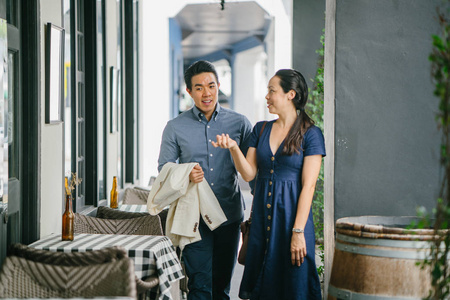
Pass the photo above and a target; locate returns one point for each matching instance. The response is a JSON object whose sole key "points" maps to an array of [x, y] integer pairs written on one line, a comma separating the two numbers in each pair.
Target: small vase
{"points": [[67, 220]]}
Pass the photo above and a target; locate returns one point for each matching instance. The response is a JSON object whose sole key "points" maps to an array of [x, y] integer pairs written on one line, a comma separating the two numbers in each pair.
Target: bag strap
{"points": [[262, 128], [256, 177]]}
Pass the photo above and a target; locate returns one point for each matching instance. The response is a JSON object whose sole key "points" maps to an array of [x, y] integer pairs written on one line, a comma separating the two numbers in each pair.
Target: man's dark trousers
{"points": [[210, 262]]}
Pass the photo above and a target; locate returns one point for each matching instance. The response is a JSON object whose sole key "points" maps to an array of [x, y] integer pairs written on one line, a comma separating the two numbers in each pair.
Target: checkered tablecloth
{"points": [[140, 208], [151, 254]]}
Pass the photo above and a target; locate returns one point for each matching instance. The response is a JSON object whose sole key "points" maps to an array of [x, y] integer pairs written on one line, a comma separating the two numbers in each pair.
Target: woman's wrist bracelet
{"points": [[298, 230]]}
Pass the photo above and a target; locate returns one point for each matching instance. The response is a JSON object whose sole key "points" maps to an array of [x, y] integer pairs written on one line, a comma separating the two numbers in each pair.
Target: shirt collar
{"points": [[198, 113]]}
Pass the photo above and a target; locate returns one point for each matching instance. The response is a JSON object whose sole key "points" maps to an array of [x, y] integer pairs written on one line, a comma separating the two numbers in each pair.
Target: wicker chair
{"points": [[105, 212], [33, 273], [142, 225], [146, 225], [135, 196]]}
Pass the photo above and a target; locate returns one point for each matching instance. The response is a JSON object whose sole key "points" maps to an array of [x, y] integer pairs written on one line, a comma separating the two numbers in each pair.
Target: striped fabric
{"points": [[23, 278], [152, 255], [136, 208], [146, 225]]}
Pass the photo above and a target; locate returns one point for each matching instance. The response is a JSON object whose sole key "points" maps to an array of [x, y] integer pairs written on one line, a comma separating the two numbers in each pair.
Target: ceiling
{"points": [[207, 29]]}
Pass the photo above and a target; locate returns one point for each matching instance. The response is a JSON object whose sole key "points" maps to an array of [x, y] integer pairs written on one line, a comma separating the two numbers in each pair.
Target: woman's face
{"points": [[277, 100]]}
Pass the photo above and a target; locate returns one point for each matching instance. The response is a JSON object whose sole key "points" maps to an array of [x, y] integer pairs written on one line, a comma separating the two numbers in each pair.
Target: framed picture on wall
{"points": [[54, 74]]}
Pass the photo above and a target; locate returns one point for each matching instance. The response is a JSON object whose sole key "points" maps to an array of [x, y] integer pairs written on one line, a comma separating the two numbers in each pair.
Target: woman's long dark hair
{"points": [[294, 80]]}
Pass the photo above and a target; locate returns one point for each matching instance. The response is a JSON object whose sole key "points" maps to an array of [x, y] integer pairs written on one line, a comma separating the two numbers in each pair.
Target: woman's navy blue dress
{"points": [[268, 272]]}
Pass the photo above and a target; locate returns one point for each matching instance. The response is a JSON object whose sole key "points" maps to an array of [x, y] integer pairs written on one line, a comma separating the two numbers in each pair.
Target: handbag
{"points": [[245, 226], [245, 230]]}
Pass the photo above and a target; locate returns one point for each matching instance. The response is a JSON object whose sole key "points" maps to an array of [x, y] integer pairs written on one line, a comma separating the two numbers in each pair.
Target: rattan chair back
{"points": [[24, 276], [146, 225]]}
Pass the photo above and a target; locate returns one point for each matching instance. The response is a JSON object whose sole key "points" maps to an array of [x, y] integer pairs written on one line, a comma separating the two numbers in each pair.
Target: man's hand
{"points": [[196, 175]]}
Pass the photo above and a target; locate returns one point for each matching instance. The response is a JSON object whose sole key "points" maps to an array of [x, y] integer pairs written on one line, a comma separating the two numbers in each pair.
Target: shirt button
{"points": [[269, 194], [209, 141], [268, 228], [212, 183], [271, 171], [211, 155], [269, 206], [269, 217], [270, 182], [207, 126], [199, 120], [272, 158], [212, 169]]}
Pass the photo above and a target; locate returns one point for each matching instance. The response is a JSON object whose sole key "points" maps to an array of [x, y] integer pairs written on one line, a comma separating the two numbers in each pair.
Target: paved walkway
{"points": [[239, 269]]}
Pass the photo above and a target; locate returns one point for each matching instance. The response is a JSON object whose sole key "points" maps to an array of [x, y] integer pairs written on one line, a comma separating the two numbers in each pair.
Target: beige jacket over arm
{"points": [[187, 202]]}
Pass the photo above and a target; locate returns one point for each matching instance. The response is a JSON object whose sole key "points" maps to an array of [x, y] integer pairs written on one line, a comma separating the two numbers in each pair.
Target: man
{"points": [[187, 138]]}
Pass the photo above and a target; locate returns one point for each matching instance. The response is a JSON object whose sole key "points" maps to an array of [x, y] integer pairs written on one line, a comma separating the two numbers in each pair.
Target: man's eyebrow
{"points": [[199, 84]]}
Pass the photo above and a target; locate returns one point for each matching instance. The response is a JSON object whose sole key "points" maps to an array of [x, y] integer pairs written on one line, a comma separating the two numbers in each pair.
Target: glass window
{"points": [[101, 108], [119, 92], [67, 91]]}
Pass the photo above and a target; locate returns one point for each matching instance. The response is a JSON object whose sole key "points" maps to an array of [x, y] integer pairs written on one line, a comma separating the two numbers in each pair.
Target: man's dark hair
{"points": [[201, 66]]}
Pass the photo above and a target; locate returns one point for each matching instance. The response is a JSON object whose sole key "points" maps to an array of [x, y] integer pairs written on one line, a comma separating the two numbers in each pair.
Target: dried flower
{"points": [[74, 181]]}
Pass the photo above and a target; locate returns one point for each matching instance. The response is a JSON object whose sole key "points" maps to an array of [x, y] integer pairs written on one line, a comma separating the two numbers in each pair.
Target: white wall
{"points": [[52, 141], [155, 76], [250, 84]]}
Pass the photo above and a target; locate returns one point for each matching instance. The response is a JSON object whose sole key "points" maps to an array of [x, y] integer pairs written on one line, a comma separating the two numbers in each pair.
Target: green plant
{"points": [[314, 108], [440, 246]]}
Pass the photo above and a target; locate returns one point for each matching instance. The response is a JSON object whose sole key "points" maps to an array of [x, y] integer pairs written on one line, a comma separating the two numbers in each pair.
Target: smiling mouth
{"points": [[207, 101]]}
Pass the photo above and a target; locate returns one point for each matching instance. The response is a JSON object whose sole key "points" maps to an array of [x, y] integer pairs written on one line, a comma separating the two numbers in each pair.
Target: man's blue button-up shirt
{"points": [[187, 138]]}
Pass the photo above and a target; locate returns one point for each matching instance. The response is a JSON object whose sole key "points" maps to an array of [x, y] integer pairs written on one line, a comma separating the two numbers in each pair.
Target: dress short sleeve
{"points": [[314, 142], [254, 136]]}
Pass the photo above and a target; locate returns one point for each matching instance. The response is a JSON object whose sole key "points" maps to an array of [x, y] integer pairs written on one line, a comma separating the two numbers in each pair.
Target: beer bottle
{"points": [[114, 203], [67, 218]]}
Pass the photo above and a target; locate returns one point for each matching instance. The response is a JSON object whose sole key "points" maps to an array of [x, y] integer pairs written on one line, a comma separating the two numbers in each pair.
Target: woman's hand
{"points": [[224, 141], [196, 175], [298, 248]]}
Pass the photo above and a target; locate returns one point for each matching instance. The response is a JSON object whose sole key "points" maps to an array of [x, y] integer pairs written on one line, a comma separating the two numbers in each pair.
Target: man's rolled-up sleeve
{"points": [[169, 150]]}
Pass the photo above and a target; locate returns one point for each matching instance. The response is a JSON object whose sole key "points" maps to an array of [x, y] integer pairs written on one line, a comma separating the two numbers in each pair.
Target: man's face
{"points": [[205, 92]]}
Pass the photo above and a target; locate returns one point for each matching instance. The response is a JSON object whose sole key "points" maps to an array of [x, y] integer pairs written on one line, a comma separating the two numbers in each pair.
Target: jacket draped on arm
{"points": [[187, 202]]}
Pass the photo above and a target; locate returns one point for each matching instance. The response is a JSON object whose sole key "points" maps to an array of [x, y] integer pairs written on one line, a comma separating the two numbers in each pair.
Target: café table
{"points": [[151, 254]]}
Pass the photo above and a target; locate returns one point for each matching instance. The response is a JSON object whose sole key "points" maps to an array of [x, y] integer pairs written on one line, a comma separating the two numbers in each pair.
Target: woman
{"points": [[286, 154]]}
